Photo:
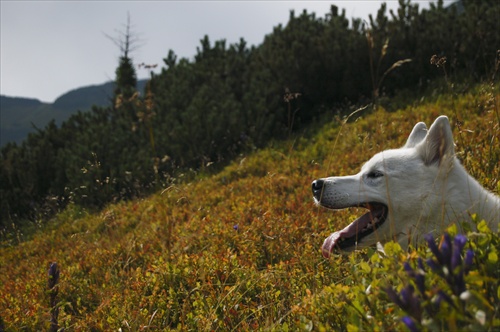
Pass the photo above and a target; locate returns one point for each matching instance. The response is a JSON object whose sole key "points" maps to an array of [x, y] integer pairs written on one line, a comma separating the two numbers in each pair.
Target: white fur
{"points": [[423, 185]]}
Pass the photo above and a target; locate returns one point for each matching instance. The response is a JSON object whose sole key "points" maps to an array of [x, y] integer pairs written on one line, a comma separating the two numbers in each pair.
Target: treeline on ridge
{"points": [[234, 98]]}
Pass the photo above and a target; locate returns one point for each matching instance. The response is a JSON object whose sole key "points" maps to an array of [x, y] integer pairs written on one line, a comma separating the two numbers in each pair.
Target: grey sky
{"points": [[50, 47]]}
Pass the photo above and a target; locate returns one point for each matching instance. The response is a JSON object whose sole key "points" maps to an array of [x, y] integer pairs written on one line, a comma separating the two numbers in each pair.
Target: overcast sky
{"points": [[51, 47]]}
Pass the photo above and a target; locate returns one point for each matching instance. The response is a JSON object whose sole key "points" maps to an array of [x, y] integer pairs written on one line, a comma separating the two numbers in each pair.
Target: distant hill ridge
{"points": [[19, 116]]}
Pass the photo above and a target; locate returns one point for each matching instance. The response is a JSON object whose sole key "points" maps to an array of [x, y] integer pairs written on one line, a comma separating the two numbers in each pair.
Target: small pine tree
{"points": [[126, 78]]}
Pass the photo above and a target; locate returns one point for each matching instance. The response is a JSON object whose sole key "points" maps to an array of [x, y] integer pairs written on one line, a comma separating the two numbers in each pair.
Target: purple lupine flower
{"points": [[435, 250], [434, 265], [469, 257], [407, 301], [446, 250], [408, 269], [458, 283], [420, 282], [458, 245], [53, 280], [394, 297], [450, 265], [411, 302], [410, 324], [417, 276], [407, 295], [460, 240], [420, 263], [443, 296], [420, 278], [448, 255], [53, 275]]}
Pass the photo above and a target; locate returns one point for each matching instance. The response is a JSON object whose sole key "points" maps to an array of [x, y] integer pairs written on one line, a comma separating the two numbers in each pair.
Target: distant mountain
{"points": [[20, 116], [84, 98], [16, 116]]}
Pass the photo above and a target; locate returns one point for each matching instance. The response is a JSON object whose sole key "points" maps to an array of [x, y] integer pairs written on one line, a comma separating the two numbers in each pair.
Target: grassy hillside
{"points": [[240, 250]]}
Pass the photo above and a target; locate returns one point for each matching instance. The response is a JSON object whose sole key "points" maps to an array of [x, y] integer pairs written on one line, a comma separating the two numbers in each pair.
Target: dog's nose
{"points": [[317, 188]]}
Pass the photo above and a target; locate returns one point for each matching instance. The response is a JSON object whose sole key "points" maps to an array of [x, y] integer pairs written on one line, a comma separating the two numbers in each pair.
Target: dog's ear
{"points": [[438, 146], [417, 135]]}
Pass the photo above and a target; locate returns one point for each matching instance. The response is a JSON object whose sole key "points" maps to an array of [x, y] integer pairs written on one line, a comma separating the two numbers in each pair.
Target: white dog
{"points": [[409, 192]]}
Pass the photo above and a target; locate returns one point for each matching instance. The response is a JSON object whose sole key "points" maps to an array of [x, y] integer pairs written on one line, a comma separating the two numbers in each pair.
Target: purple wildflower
{"points": [[443, 296], [458, 245], [417, 276], [421, 264], [458, 285], [435, 266], [407, 301], [394, 297], [446, 250], [53, 275], [469, 257], [410, 324], [412, 302], [435, 250], [408, 269], [450, 264], [420, 282], [52, 285]]}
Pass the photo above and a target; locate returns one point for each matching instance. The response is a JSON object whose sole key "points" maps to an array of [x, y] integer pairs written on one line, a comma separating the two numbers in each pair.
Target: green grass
{"points": [[240, 250]]}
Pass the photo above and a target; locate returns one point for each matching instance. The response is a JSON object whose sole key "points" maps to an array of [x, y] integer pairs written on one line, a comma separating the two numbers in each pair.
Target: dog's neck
{"points": [[477, 200]]}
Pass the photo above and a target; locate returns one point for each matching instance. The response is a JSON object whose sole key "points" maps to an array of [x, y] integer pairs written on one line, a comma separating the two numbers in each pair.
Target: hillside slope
{"points": [[239, 250]]}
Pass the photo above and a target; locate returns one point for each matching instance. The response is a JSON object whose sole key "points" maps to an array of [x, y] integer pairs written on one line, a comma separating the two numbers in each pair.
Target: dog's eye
{"points": [[375, 174]]}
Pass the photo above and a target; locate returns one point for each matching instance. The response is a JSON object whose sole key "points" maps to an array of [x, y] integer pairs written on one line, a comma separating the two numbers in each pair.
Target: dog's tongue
{"points": [[351, 230], [330, 243]]}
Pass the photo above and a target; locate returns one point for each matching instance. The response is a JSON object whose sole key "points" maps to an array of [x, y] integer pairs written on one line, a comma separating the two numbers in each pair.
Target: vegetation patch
{"points": [[241, 249]]}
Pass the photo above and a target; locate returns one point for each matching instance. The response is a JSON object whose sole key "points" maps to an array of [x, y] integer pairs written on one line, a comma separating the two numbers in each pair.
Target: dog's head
{"points": [[397, 187]]}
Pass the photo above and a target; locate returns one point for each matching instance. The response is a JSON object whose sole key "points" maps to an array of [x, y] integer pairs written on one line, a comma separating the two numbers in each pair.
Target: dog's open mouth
{"points": [[357, 230]]}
